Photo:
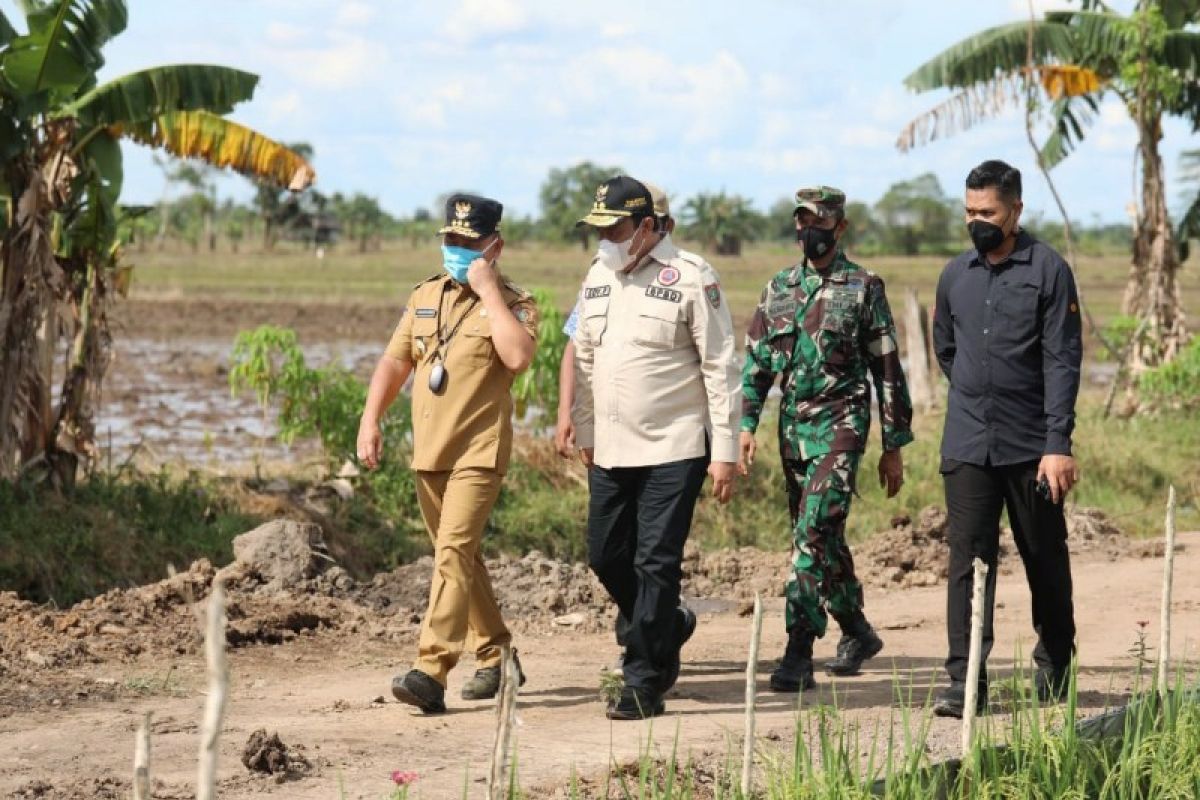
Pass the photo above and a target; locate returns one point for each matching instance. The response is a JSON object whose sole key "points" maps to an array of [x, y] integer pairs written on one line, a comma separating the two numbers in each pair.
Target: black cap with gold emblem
{"points": [[471, 215], [618, 198]]}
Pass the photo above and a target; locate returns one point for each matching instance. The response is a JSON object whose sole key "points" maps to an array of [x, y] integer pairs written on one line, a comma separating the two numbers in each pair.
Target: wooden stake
{"points": [[972, 688], [916, 342], [506, 717], [141, 761], [1164, 621], [751, 694], [218, 688]]}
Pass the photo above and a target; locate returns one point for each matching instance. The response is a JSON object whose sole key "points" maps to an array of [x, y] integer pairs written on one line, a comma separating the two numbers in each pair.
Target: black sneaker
{"points": [[636, 703], [418, 689], [853, 650], [687, 628], [795, 670], [1052, 684], [484, 684], [951, 701]]}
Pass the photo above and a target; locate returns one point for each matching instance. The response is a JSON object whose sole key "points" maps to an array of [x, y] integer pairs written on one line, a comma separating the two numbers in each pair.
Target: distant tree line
{"points": [[912, 217]]}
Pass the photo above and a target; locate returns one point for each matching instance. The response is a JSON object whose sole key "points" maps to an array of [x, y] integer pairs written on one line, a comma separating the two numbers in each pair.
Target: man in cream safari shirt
{"points": [[657, 406]]}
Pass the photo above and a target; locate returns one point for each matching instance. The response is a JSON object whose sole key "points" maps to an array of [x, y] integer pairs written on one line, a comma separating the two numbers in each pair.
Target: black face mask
{"points": [[817, 242], [986, 236]]}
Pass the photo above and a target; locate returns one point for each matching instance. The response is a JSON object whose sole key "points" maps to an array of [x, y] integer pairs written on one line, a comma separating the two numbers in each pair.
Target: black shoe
{"points": [[418, 689], [687, 628], [1052, 684], [853, 649], [951, 701], [795, 670], [484, 684], [636, 703]]}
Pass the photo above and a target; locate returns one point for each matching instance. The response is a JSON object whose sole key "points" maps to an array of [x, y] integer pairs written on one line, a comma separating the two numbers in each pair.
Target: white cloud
{"points": [[286, 105], [479, 19], [352, 14], [346, 61], [285, 33], [1114, 131]]}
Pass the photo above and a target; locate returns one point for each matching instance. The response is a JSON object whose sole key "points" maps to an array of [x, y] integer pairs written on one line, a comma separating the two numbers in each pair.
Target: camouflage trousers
{"points": [[819, 493]]}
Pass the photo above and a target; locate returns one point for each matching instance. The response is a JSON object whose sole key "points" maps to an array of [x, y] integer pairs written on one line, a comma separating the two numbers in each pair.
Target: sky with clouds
{"points": [[406, 100]]}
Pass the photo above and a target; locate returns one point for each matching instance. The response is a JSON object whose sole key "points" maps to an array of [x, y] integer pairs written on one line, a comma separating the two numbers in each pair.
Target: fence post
{"points": [[751, 693], [506, 705], [972, 688], [916, 342], [218, 688], [1164, 641]]}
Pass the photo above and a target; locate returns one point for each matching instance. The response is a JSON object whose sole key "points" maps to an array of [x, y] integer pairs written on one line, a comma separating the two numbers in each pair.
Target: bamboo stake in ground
{"points": [[971, 693], [1164, 622], [218, 688], [141, 761], [916, 340], [506, 705], [751, 695]]}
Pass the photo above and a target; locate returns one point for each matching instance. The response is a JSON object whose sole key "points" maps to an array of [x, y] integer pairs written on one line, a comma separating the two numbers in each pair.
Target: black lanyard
{"points": [[443, 336]]}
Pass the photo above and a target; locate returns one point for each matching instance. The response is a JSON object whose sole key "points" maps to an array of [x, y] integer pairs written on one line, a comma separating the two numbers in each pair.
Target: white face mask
{"points": [[616, 253]]}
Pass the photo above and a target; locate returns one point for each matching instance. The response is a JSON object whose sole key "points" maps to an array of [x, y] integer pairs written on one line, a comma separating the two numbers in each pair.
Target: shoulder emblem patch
{"points": [[668, 276], [522, 314], [713, 292]]}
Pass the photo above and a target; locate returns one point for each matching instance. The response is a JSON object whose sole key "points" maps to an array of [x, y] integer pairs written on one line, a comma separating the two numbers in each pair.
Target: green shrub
{"points": [[1176, 384]]}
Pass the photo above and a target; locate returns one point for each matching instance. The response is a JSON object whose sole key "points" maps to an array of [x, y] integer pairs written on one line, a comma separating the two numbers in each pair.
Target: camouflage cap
{"points": [[662, 208], [824, 201]]}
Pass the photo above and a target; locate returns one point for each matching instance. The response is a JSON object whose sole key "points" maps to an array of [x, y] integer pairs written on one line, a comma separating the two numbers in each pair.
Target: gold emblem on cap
{"points": [[602, 193], [461, 209]]}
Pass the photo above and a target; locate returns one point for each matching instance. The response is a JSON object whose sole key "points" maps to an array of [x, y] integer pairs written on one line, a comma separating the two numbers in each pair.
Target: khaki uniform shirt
{"points": [[470, 423], [656, 364]]}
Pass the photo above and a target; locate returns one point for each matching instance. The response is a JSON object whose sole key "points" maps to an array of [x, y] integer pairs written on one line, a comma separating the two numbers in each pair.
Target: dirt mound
{"points": [[269, 755], [915, 552]]}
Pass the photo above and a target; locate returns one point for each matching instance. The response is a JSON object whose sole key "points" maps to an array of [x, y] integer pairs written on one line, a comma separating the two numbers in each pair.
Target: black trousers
{"points": [[638, 522], [974, 498]]}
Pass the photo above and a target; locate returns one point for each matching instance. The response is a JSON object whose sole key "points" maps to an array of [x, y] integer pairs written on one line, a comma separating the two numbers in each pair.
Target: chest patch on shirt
{"points": [[782, 305], [426, 312], [659, 293], [841, 306], [668, 276], [592, 292]]}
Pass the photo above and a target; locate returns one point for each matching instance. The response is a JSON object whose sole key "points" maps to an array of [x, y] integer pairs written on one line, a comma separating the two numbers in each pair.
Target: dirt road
{"points": [[322, 694]]}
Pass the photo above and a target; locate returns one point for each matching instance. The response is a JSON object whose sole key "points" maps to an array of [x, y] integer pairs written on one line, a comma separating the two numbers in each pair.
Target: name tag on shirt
{"points": [[659, 293], [593, 292], [782, 305], [426, 312]]}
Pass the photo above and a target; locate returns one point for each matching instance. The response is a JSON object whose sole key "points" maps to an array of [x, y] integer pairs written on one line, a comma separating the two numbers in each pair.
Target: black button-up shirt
{"points": [[1008, 337]]}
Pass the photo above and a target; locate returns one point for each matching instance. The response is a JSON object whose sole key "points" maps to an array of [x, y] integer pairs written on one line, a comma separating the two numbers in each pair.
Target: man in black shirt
{"points": [[1007, 335]]}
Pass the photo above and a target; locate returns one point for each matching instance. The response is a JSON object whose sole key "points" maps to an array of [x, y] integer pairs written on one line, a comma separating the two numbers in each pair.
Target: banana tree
{"points": [[61, 175], [1149, 60]]}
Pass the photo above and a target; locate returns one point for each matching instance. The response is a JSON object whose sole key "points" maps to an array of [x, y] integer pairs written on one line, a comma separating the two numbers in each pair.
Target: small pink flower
{"points": [[402, 778]]}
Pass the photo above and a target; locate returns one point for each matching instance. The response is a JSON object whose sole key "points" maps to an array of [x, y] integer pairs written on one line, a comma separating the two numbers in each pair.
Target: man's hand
{"points": [[891, 471], [748, 447], [1061, 472], [483, 277], [586, 455], [722, 473], [370, 443], [564, 436]]}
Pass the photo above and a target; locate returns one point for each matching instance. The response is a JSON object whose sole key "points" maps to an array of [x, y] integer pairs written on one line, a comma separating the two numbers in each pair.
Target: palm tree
{"points": [[722, 222], [60, 174], [1149, 60]]}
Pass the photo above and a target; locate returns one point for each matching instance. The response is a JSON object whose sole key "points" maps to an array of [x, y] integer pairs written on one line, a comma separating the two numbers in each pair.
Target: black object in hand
{"points": [[1043, 489]]}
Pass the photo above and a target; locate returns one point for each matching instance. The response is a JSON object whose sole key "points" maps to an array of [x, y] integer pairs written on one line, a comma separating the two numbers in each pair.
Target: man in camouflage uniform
{"points": [[823, 325]]}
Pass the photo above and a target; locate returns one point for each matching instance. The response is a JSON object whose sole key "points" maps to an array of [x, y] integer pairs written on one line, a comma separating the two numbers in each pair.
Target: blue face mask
{"points": [[457, 260]]}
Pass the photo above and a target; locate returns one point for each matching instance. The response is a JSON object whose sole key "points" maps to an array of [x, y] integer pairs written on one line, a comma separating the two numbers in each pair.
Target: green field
{"points": [[384, 276]]}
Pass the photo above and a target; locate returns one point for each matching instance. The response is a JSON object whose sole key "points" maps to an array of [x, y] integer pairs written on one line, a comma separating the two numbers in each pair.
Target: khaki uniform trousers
{"points": [[455, 505]]}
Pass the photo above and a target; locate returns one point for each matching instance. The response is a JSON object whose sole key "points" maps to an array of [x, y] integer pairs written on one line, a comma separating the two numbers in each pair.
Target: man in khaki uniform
{"points": [[657, 405], [465, 334]]}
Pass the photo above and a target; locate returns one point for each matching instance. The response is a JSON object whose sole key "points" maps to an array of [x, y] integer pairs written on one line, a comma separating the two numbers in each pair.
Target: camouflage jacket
{"points": [[822, 332]]}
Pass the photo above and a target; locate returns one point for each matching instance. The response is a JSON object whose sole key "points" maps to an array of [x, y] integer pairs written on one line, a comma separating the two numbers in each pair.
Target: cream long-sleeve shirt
{"points": [[656, 363]]}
